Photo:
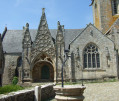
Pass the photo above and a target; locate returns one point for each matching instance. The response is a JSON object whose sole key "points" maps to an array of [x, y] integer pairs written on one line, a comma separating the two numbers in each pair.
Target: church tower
{"points": [[105, 12]]}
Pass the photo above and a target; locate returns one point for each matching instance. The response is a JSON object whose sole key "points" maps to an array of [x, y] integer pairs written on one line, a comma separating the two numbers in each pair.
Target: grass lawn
{"points": [[10, 88]]}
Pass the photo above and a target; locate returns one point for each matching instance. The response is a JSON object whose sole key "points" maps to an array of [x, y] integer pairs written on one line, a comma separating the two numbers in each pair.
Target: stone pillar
{"points": [[37, 93]]}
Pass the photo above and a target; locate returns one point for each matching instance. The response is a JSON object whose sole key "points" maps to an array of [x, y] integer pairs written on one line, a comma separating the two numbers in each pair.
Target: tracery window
{"points": [[91, 57]]}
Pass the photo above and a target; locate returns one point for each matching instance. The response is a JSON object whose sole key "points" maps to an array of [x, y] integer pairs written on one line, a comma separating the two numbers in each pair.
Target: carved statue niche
{"points": [[91, 32], [107, 56], [26, 73]]}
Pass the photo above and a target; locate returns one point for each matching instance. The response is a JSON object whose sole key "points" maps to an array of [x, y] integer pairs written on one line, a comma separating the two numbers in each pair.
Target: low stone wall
{"points": [[23, 95], [47, 92], [28, 95]]}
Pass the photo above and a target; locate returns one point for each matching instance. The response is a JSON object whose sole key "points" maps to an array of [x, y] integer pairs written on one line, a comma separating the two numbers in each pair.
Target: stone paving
{"points": [[101, 92]]}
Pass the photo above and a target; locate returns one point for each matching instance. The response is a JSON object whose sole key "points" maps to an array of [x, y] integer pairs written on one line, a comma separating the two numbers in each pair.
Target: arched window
{"points": [[115, 7], [91, 57], [19, 63]]}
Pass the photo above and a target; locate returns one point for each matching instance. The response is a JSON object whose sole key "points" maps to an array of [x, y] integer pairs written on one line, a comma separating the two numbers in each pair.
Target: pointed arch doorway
{"points": [[43, 71]]}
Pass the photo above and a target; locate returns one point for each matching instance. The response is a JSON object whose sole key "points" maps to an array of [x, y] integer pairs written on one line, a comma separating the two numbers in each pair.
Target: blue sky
{"points": [[73, 14]]}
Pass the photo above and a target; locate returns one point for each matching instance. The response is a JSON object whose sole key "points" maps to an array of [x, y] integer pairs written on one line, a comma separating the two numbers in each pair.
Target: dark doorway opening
{"points": [[45, 73]]}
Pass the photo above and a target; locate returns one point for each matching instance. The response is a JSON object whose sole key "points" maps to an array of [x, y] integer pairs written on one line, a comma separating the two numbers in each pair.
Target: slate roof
{"points": [[12, 42]]}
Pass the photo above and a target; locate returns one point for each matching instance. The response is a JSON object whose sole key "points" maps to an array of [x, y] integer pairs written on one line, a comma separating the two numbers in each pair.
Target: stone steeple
{"points": [[43, 41]]}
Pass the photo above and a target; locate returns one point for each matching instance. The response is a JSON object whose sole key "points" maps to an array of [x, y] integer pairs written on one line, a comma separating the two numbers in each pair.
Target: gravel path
{"points": [[101, 92]]}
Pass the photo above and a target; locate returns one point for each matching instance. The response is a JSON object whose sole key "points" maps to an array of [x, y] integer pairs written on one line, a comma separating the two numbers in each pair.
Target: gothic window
{"points": [[91, 57], [19, 61], [115, 6]]}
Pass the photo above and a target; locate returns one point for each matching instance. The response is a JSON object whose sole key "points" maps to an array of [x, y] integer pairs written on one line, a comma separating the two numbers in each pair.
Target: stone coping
{"points": [[69, 98], [69, 86], [95, 69], [23, 91], [15, 93], [43, 86]]}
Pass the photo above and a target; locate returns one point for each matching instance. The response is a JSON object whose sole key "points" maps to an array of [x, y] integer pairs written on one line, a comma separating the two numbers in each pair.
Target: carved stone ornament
{"points": [[26, 73], [107, 52], [43, 42], [91, 32]]}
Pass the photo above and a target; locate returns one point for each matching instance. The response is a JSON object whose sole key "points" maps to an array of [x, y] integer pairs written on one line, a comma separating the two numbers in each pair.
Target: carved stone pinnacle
{"points": [[43, 10]]}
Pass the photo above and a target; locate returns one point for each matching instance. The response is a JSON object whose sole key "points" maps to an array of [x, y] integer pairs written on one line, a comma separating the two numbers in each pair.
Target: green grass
{"points": [[10, 88], [88, 82]]}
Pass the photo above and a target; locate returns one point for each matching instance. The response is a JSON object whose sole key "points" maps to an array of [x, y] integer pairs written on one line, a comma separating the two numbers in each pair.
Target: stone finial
{"points": [[43, 10], [27, 25], [5, 27], [58, 25], [62, 26]]}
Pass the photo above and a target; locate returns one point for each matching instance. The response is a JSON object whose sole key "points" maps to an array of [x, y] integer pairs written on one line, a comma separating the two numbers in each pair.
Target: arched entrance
{"points": [[43, 71]]}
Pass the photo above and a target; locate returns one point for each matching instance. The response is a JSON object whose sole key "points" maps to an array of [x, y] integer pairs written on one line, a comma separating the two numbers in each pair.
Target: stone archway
{"points": [[43, 71]]}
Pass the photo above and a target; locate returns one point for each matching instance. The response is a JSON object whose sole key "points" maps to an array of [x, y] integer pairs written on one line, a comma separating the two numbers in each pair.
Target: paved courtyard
{"points": [[101, 92]]}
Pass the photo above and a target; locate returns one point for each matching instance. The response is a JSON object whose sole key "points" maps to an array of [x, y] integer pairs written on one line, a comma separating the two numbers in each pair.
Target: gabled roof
{"points": [[84, 30], [12, 41]]}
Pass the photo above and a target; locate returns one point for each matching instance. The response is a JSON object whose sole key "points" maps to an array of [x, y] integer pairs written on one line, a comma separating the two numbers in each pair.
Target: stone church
{"points": [[37, 55]]}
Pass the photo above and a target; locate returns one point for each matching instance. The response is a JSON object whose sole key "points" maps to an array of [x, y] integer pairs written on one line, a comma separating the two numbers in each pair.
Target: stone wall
{"points": [[47, 92], [9, 67], [108, 66], [28, 95], [23, 95]]}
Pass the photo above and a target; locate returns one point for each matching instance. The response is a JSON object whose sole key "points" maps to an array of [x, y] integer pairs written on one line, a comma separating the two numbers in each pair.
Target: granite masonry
{"points": [[36, 55]]}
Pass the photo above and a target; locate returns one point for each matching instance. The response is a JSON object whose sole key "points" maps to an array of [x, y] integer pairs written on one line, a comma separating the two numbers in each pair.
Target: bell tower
{"points": [[105, 12]]}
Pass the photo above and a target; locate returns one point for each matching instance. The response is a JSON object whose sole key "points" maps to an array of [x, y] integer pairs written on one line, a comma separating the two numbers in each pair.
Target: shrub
{"points": [[15, 80], [10, 88]]}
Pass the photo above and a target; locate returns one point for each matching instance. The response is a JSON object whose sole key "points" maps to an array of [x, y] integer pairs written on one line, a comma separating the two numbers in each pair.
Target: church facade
{"points": [[37, 55]]}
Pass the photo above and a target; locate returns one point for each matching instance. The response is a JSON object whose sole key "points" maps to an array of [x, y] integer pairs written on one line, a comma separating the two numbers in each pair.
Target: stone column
{"points": [[37, 93]]}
